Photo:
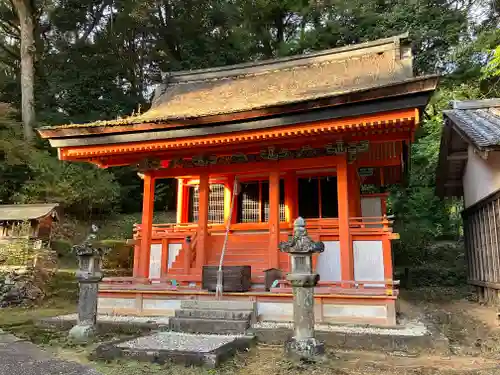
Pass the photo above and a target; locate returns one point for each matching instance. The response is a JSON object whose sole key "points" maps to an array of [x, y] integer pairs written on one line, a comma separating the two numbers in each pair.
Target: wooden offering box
{"points": [[235, 278]]}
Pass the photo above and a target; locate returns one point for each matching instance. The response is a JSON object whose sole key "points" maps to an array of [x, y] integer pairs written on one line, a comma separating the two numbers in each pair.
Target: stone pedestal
{"points": [[89, 274], [303, 345], [85, 328]]}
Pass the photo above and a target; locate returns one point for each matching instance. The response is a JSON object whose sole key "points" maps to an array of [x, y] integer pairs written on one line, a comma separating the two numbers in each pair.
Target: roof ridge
{"points": [[476, 104], [264, 71], [253, 67]]}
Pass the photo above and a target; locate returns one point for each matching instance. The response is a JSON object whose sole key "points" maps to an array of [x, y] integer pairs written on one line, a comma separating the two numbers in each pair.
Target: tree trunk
{"points": [[26, 22]]}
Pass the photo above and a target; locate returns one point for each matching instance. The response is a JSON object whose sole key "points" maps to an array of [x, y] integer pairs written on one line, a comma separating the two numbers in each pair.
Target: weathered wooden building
{"points": [[469, 167], [32, 221], [301, 135]]}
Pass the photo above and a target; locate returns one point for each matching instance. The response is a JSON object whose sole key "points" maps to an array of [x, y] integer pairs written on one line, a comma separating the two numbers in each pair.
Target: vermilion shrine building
{"points": [[304, 135]]}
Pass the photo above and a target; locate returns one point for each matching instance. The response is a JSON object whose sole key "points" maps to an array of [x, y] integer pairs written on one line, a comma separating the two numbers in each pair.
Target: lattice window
{"points": [[265, 200], [253, 202], [194, 204], [249, 203], [216, 204]]}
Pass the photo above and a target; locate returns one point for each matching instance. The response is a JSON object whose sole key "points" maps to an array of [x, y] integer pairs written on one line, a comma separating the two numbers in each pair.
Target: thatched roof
{"points": [[21, 212], [277, 82]]}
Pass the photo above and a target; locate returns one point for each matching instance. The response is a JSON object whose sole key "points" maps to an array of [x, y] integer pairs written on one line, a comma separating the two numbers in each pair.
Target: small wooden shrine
{"points": [[318, 136], [31, 221]]}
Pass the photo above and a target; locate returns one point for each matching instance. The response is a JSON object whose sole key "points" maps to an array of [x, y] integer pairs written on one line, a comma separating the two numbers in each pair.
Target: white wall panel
{"points": [[155, 262], [368, 261], [328, 264]]}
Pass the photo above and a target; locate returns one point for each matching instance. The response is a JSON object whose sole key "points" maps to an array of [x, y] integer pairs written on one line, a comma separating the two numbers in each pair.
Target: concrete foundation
{"points": [[371, 311]]}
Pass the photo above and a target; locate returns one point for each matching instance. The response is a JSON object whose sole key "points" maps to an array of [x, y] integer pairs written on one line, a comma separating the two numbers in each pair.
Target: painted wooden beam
{"points": [[247, 168]]}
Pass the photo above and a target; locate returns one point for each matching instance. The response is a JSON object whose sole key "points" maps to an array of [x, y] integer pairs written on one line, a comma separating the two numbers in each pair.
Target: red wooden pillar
{"points": [[291, 197], [181, 196], [274, 218], [146, 226], [346, 256], [201, 250]]}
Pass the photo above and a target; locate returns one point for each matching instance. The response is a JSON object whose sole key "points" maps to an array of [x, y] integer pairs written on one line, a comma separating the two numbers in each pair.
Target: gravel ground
{"points": [[178, 341], [410, 329]]}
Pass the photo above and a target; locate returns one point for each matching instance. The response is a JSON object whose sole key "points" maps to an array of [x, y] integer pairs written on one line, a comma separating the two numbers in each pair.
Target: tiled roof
{"points": [[18, 212], [478, 121], [270, 83]]}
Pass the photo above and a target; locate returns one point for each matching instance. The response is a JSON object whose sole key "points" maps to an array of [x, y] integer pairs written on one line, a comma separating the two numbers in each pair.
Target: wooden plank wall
{"points": [[482, 235]]}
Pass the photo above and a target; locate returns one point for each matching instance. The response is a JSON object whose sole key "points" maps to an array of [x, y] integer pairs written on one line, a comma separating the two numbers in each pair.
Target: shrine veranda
{"points": [[319, 136]]}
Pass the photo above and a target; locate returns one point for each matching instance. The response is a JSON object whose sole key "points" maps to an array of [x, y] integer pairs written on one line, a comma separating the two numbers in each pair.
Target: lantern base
{"points": [[307, 349], [82, 333]]}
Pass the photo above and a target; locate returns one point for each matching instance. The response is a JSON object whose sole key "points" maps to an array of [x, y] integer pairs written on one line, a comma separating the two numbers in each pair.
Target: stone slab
{"points": [[106, 323], [217, 305], [214, 326], [413, 338], [185, 348], [19, 357]]}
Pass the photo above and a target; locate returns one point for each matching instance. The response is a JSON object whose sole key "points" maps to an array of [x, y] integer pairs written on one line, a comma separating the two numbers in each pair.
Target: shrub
{"points": [[61, 247], [119, 256]]}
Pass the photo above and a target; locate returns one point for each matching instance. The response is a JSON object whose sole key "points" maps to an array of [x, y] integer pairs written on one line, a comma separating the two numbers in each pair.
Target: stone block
{"points": [[214, 314], [216, 326], [218, 305]]}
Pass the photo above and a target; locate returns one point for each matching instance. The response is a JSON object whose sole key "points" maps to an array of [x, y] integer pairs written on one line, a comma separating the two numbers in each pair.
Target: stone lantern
{"points": [[89, 274], [303, 344]]}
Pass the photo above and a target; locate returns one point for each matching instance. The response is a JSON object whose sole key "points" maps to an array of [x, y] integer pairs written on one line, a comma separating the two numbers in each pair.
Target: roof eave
{"points": [[454, 120], [413, 86]]}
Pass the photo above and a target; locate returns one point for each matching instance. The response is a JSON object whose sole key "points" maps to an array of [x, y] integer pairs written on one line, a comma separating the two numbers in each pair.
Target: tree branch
{"points": [[97, 17]]}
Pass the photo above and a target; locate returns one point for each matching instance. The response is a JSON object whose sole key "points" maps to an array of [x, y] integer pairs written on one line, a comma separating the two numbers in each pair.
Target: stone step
{"points": [[182, 348], [212, 326], [194, 304], [214, 314]]}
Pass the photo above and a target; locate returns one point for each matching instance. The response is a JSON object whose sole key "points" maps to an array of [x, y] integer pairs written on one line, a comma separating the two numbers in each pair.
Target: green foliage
{"points": [[421, 217], [492, 69], [31, 175], [61, 247], [119, 256], [82, 189]]}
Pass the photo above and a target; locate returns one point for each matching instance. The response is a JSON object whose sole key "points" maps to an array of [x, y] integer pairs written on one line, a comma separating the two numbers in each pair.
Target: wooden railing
{"points": [[370, 224], [167, 230], [326, 226]]}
